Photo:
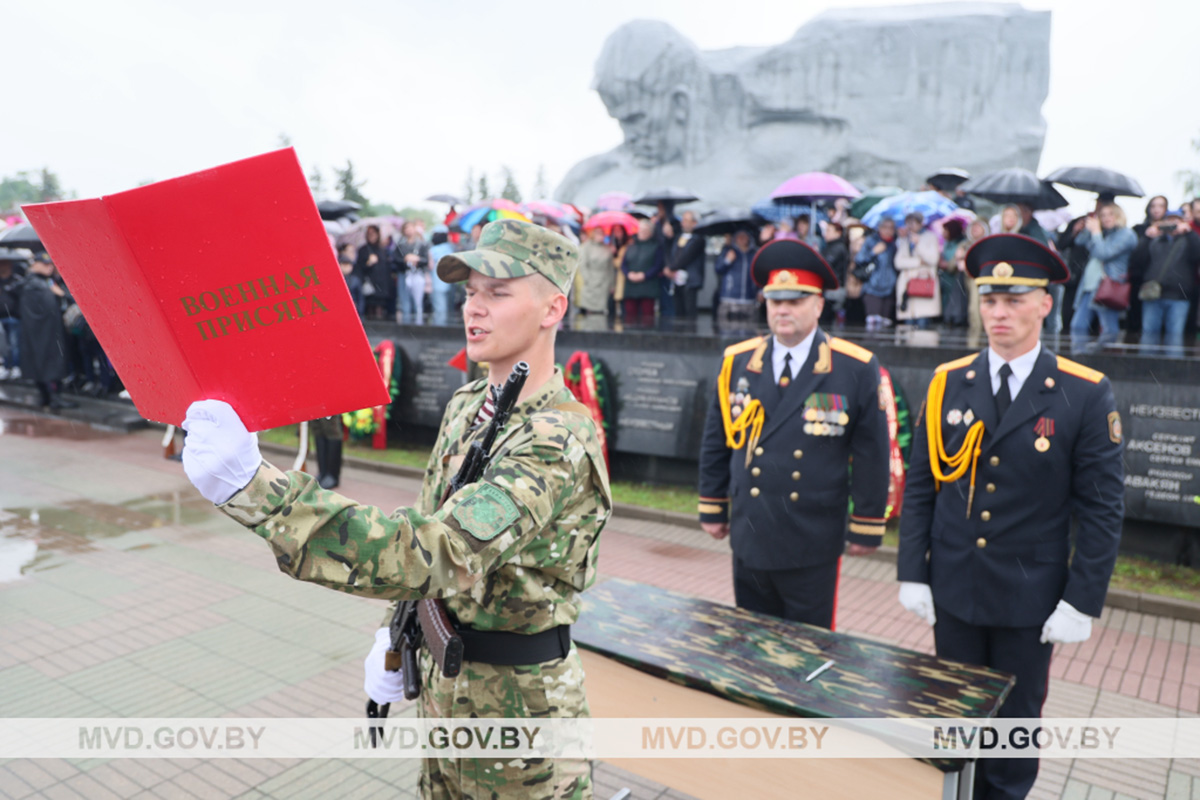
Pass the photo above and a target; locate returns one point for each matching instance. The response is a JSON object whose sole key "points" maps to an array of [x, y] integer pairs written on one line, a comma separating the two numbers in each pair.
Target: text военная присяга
{"points": [[258, 295]]}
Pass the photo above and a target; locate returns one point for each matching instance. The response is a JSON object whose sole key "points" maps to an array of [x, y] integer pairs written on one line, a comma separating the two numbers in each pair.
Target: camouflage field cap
{"points": [[511, 248]]}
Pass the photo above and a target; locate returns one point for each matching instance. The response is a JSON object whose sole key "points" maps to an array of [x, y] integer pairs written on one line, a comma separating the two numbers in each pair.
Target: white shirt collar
{"points": [[799, 353], [1022, 366]]}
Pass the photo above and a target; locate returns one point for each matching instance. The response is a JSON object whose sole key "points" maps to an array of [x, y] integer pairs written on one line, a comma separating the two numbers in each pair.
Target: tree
{"points": [[285, 140], [351, 190], [484, 192], [510, 190], [428, 217], [50, 189], [316, 182], [540, 190], [1190, 178], [469, 186], [24, 188]]}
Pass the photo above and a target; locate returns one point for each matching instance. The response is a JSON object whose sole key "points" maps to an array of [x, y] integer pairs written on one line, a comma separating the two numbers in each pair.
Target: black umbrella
{"points": [[726, 220], [449, 199], [947, 179], [22, 236], [15, 254], [336, 209], [1015, 185], [1097, 179], [670, 195]]}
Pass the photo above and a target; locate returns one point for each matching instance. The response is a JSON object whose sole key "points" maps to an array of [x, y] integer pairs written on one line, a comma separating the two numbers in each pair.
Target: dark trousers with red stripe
{"points": [[1015, 650], [808, 594]]}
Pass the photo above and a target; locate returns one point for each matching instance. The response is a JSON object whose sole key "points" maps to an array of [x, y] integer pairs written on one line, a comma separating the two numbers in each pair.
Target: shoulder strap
{"points": [[575, 407], [1172, 254]]}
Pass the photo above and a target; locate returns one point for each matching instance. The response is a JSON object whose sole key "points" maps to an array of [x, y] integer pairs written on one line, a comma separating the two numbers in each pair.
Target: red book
{"points": [[217, 285]]}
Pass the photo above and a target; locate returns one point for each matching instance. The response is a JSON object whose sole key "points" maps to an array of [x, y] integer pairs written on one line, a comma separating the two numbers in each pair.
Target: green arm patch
{"points": [[487, 513]]}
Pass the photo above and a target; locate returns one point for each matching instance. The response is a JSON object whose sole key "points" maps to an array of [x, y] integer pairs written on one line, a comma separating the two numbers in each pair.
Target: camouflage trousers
{"points": [[552, 689]]}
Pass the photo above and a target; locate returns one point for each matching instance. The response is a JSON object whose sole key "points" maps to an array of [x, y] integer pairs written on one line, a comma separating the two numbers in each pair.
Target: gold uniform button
{"points": [[985, 516], [798, 454], [758, 451], [994, 461], [796, 475], [756, 472], [754, 492], [794, 496], [981, 542], [991, 487]]}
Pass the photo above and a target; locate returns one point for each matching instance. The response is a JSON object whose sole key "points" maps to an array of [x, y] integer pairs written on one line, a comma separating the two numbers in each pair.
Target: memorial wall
{"points": [[662, 382]]}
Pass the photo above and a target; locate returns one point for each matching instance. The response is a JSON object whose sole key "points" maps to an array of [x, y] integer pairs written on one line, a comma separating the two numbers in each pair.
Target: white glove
{"points": [[918, 598], [1066, 625], [220, 456], [379, 684]]}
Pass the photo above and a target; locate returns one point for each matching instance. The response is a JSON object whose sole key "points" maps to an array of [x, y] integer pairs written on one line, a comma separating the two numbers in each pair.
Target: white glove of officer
{"points": [[220, 456], [380, 685], [918, 598], [1067, 625]]}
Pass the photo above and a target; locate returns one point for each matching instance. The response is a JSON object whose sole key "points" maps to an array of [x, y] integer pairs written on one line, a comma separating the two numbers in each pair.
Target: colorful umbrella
{"points": [[962, 216], [810, 187], [870, 198], [607, 220], [615, 201], [930, 204], [559, 212], [489, 211]]}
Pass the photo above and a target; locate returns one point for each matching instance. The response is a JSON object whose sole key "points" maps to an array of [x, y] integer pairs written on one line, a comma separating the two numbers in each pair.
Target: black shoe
{"points": [[327, 482]]}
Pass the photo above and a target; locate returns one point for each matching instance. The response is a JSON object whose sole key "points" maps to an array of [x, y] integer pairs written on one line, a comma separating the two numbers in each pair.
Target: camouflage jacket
{"points": [[511, 552]]}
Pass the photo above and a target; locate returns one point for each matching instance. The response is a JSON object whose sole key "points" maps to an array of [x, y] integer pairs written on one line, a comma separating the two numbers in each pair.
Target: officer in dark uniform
{"points": [[1010, 445], [789, 414]]}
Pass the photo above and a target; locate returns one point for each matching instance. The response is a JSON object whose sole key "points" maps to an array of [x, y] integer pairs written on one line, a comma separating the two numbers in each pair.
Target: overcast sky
{"points": [[110, 95]]}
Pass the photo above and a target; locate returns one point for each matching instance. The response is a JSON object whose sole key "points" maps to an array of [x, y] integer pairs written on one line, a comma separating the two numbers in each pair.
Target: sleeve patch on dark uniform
{"points": [[1114, 427], [487, 513]]}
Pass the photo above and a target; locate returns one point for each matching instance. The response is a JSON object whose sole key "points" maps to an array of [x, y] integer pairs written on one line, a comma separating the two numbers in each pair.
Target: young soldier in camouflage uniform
{"points": [[510, 553]]}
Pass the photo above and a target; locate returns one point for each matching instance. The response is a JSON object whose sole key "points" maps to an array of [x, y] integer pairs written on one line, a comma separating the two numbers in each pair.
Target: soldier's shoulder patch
{"points": [[1079, 370], [848, 348], [1114, 427], [742, 347], [957, 363], [487, 513]]}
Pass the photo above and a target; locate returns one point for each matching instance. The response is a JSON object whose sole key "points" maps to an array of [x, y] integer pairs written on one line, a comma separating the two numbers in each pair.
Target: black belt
{"points": [[505, 648]]}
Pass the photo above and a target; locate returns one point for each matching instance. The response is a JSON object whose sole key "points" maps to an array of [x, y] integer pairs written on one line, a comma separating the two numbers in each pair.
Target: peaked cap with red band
{"points": [[787, 269], [1014, 264]]}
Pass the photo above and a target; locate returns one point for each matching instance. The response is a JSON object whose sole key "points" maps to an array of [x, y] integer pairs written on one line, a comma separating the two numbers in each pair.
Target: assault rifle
{"points": [[418, 622]]}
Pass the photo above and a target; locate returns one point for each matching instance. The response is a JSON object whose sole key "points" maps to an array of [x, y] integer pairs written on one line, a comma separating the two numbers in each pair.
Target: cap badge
{"points": [[1003, 270]]}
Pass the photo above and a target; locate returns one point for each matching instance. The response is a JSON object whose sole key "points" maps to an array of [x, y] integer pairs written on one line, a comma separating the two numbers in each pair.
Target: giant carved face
{"points": [[654, 122]]}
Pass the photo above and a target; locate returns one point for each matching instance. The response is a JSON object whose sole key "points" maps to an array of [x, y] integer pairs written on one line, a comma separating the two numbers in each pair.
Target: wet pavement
{"points": [[124, 594]]}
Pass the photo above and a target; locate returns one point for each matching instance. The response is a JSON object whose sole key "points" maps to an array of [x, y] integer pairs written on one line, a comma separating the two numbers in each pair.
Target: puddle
{"points": [[19, 424], [36, 539]]}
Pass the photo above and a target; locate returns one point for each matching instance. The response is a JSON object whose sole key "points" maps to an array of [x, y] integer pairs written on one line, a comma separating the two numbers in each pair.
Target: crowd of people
{"points": [[1141, 278]]}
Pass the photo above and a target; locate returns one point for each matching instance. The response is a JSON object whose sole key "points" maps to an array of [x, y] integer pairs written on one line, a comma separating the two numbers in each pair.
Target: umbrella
{"points": [[615, 201], [449, 199], [1053, 219], [22, 236], [870, 198], [774, 212], [670, 195], [1097, 179], [962, 216], [931, 205], [489, 211], [607, 220], [15, 254], [948, 178], [809, 187], [336, 209], [559, 212], [726, 220], [356, 234], [1015, 185]]}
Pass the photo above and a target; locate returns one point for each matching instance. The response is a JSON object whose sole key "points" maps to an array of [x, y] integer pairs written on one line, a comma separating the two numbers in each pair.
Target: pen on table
{"points": [[819, 670]]}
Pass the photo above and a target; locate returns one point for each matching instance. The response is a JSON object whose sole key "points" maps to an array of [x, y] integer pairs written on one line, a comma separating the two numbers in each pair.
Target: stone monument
{"points": [[878, 96]]}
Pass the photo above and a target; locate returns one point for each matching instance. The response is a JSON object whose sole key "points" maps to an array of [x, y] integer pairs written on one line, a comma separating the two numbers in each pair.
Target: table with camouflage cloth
{"points": [[761, 661]]}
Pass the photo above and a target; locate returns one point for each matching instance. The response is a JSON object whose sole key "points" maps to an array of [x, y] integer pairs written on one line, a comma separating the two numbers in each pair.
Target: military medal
{"points": [[954, 417], [810, 415], [843, 418], [1044, 429], [969, 417]]}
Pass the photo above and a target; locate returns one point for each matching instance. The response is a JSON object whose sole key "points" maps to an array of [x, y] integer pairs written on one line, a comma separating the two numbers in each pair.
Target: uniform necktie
{"points": [[785, 376], [1004, 395]]}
